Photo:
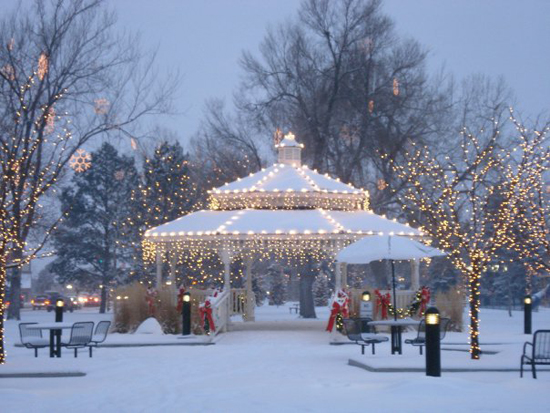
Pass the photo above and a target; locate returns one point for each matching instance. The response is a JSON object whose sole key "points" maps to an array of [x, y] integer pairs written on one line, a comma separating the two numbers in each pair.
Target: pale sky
{"points": [[204, 39]]}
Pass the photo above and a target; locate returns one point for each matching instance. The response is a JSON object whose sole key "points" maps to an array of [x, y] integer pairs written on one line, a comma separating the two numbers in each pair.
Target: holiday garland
{"points": [[418, 305]]}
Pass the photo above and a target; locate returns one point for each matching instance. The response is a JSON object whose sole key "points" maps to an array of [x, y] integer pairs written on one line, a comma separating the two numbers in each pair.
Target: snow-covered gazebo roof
{"points": [[285, 206]]}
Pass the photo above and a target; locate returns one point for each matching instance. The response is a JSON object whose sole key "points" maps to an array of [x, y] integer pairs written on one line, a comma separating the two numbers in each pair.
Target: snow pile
{"points": [[150, 326]]}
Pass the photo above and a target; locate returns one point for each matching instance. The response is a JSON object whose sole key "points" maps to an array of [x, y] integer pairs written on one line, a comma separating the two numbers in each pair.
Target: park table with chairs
{"points": [[82, 335], [397, 326]]}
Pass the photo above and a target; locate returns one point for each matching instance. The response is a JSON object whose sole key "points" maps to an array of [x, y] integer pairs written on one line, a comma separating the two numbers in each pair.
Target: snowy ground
{"points": [[279, 364]]}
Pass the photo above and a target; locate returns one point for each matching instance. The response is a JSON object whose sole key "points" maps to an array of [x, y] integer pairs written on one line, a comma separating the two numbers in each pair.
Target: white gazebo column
{"points": [[159, 269], [344, 275], [173, 268], [415, 275], [226, 260], [338, 276], [250, 301], [173, 287]]}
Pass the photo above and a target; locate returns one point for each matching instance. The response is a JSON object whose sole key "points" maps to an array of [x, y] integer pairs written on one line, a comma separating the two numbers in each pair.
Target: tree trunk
{"points": [[2, 294], [14, 310], [510, 299], [475, 351], [103, 303], [307, 277]]}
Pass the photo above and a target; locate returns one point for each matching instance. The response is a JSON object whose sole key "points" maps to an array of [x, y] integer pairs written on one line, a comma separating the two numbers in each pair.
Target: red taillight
{"points": [[96, 300]]}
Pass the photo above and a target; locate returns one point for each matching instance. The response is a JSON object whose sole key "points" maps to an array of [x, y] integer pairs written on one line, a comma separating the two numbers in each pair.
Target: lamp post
{"points": [[59, 307], [433, 350], [365, 310], [527, 310], [186, 314]]}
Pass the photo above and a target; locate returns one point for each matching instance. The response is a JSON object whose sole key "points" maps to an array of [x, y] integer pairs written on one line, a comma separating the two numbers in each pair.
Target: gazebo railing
{"points": [[220, 312]]}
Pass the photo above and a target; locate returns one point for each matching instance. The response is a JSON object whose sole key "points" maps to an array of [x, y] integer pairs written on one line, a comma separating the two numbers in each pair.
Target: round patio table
{"points": [[55, 331], [397, 327]]}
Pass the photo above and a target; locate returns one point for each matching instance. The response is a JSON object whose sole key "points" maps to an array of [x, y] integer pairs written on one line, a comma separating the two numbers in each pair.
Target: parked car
{"points": [[74, 300], [39, 302], [67, 302]]}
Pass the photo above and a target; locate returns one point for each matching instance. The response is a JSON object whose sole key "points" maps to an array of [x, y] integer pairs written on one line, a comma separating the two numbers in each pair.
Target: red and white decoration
{"points": [[205, 311], [340, 305]]}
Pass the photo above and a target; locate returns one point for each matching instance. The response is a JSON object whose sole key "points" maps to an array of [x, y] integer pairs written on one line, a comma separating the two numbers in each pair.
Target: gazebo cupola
{"points": [[290, 151]]}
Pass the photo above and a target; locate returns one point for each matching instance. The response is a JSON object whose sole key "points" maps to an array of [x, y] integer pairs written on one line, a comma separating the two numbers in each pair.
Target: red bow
{"points": [[150, 298], [382, 303], [424, 299], [205, 310]]}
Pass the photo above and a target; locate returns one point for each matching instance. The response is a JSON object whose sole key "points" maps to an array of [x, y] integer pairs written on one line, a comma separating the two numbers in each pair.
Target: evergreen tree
{"points": [[96, 240], [258, 283], [321, 291], [277, 295], [167, 191]]}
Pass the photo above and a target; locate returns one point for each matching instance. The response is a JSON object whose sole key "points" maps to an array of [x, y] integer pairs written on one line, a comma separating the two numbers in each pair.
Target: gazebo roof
{"points": [[289, 187], [281, 177], [281, 223]]}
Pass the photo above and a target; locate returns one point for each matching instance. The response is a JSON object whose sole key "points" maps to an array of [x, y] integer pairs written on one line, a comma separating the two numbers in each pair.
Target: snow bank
{"points": [[150, 326]]}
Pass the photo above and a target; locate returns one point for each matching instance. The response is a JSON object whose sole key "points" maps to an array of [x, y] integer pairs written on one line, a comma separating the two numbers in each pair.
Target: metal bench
{"points": [[81, 336], [358, 330], [295, 308], [32, 338], [539, 353], [420, 340]]}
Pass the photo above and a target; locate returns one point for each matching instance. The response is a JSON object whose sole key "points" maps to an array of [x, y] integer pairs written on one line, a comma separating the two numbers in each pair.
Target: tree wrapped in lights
{"points": [[467, 205], [167, 191], [56, 58], [530, 236]]}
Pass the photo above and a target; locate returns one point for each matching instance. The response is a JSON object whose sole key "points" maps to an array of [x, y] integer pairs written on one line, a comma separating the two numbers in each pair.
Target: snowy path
{"points": [[261, 371]]}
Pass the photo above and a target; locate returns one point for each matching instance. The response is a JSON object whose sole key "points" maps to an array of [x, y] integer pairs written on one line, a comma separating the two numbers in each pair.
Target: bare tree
{"points": [[348, 87], [66, 76]]}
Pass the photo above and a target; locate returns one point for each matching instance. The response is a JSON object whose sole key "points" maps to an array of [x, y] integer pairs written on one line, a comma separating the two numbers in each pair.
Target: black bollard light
{"points": [[527, 309], [59, 306], [433, 350], [186, 314]]}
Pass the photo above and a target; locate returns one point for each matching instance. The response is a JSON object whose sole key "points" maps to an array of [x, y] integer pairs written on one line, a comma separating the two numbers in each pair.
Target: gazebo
{"points": [[285, 210]]}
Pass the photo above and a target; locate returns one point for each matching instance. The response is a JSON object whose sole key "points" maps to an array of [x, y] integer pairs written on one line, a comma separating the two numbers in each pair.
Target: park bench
{"points": [[537, 352], [420, 340], [295, 308], [358, 330]]}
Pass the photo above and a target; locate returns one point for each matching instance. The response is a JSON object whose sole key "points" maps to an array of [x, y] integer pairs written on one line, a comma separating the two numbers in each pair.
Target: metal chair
{"points": [[81, 335], [32, 338], [358, 330], [540, 351], [100, 334], [420, 339]]}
